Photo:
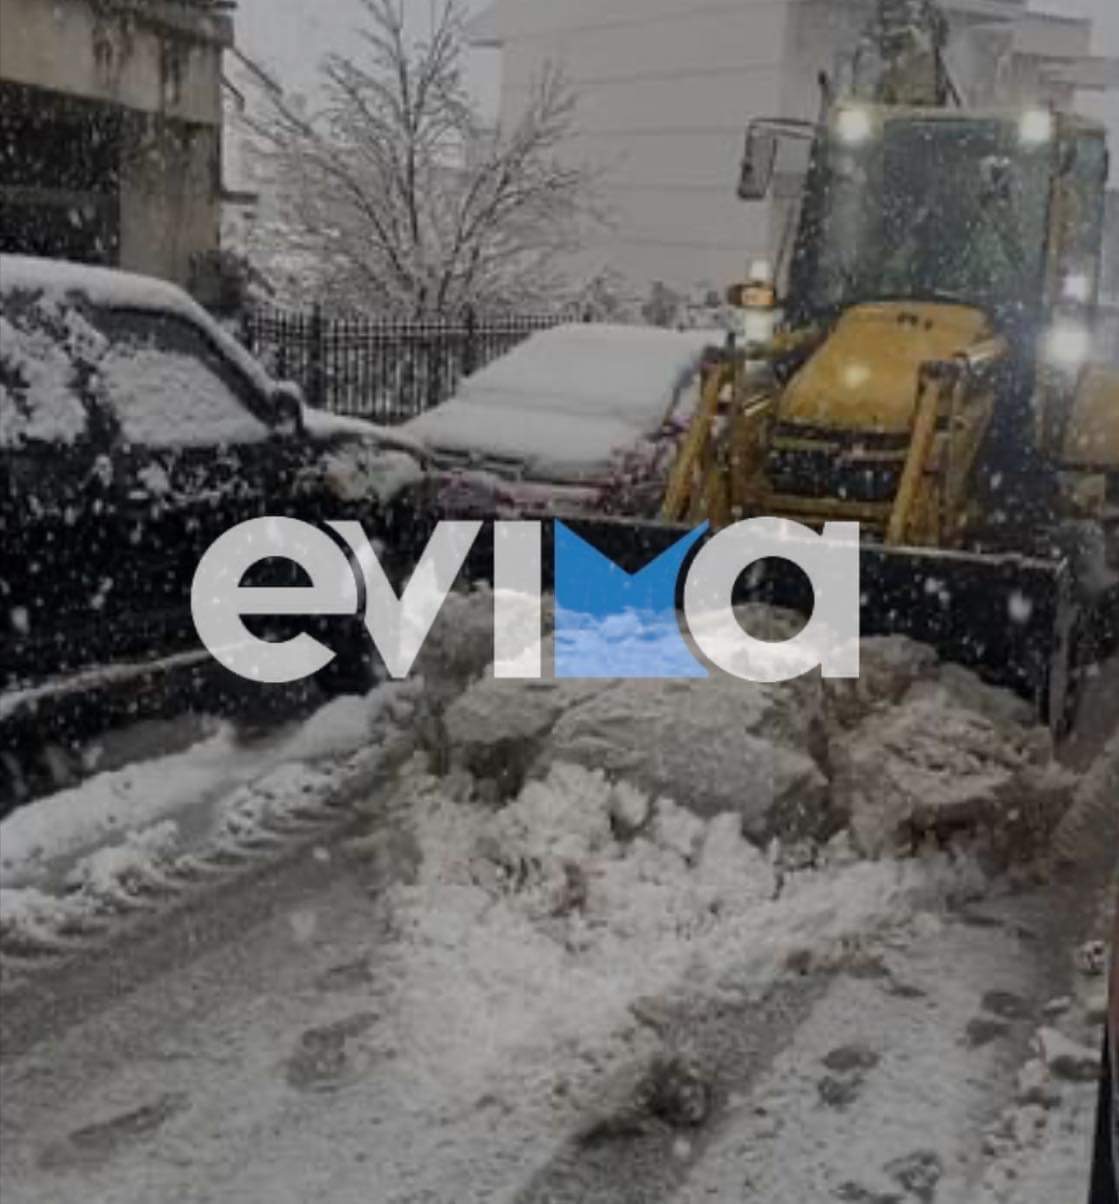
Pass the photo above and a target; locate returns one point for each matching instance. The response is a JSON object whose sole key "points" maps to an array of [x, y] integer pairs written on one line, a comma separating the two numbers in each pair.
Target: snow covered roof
{"points": [[100, 286], [109, 288]]}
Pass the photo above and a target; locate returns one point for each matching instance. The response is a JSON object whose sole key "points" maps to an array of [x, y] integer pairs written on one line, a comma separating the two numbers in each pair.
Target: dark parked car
{"points": [[133, 432]]}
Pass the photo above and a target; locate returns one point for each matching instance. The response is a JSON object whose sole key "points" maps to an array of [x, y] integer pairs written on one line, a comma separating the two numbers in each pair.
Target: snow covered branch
{"points": [[403, 196]]}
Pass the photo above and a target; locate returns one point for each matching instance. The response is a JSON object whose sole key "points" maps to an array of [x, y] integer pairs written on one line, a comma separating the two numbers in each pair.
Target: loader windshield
{"points": [[924, 209]]}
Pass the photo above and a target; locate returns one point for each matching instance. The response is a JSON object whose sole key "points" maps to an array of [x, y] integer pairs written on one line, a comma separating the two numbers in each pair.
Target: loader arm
{"points": [[720, 472], [937, 469], [1010, 616], [1091, 441], [689, 482]]}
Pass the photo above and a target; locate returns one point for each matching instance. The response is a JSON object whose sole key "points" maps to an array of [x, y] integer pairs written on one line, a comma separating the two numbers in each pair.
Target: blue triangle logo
{"points": [[610, 623]]}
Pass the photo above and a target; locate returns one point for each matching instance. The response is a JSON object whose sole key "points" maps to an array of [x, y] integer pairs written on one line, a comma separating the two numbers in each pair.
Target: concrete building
{"points": [[666, 87], [250, 199], [110, 131], [255, 225]]}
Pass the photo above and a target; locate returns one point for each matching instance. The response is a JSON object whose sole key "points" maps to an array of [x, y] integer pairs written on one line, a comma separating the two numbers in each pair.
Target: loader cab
{"points": [[1000, 211]]}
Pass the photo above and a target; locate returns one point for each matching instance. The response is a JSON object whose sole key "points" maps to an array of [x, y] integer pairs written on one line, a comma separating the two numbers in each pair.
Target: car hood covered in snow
{"points": [[561, 404]]}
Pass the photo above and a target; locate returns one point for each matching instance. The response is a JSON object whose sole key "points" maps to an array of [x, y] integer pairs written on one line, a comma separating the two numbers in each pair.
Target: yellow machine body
{"points": [[909, 388], [1091, 439], [865, 375], [964, 433]]}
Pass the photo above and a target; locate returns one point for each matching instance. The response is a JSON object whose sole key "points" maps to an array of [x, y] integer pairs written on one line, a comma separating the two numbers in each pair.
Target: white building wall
{"points": [[666, 88], [248, 176]]}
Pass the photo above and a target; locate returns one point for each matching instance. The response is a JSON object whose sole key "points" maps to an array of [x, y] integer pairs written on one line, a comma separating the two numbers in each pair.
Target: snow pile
{"points": [[561, 918], [111, 880], [628, 865], [280, 798], [114, 803], [713, 746], [952, 755], [107, 848], [359, 470], [113, 876], [459, 648], [588, 862], [912, 748], [352, 723], [210, 775], [31, 917]]}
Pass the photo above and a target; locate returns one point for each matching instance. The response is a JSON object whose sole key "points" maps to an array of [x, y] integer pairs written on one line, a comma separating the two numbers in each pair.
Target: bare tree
{"points": [[407, 201]]}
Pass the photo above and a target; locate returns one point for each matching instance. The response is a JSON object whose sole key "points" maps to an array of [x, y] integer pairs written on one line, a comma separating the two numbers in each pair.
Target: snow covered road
{"points": [[271, 1062], [510, 977]]}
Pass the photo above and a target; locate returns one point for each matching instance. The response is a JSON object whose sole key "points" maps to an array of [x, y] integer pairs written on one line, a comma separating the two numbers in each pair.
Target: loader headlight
{"points": [[759, 326], [1068, 346], [854, 126], [1036, 127]]}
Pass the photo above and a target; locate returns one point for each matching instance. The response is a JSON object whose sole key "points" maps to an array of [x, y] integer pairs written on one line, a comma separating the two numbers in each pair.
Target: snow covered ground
{"points": [[611, 942], [74, 861]]}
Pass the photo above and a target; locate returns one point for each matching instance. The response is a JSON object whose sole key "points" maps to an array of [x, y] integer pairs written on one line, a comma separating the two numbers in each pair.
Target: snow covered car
{"points": [[133, 432], [551, 426]]}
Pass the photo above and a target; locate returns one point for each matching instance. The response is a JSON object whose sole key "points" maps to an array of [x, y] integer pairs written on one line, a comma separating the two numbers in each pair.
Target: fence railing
{"points": [[386, 371]]}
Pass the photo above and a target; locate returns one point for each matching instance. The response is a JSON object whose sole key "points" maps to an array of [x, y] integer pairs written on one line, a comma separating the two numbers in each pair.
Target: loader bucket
{"points": [[1008, 617]]}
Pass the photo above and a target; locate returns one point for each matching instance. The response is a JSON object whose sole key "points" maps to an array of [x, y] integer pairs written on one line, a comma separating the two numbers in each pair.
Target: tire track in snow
{"points": [[144, 905]]}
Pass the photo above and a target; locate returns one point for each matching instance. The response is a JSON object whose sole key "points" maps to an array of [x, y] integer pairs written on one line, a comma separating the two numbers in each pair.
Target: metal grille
{"points": [[386, 371]]}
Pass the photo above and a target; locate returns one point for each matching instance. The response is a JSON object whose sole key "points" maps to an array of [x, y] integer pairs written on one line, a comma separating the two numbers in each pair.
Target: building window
{"points": [[59, 175]]}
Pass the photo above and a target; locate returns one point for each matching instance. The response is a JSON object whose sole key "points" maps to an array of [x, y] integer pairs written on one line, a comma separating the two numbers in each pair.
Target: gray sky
{"points": [[292, 36]]}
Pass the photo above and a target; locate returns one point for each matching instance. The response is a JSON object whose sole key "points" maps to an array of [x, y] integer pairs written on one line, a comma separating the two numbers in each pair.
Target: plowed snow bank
{"points": [[911, 748]]}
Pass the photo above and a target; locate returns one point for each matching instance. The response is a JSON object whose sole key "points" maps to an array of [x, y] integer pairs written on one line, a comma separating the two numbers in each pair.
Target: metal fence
{"points": [[387, 371]]}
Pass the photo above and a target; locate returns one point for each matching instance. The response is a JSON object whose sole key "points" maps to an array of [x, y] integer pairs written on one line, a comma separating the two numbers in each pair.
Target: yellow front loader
{"points": [[929, 375]]}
